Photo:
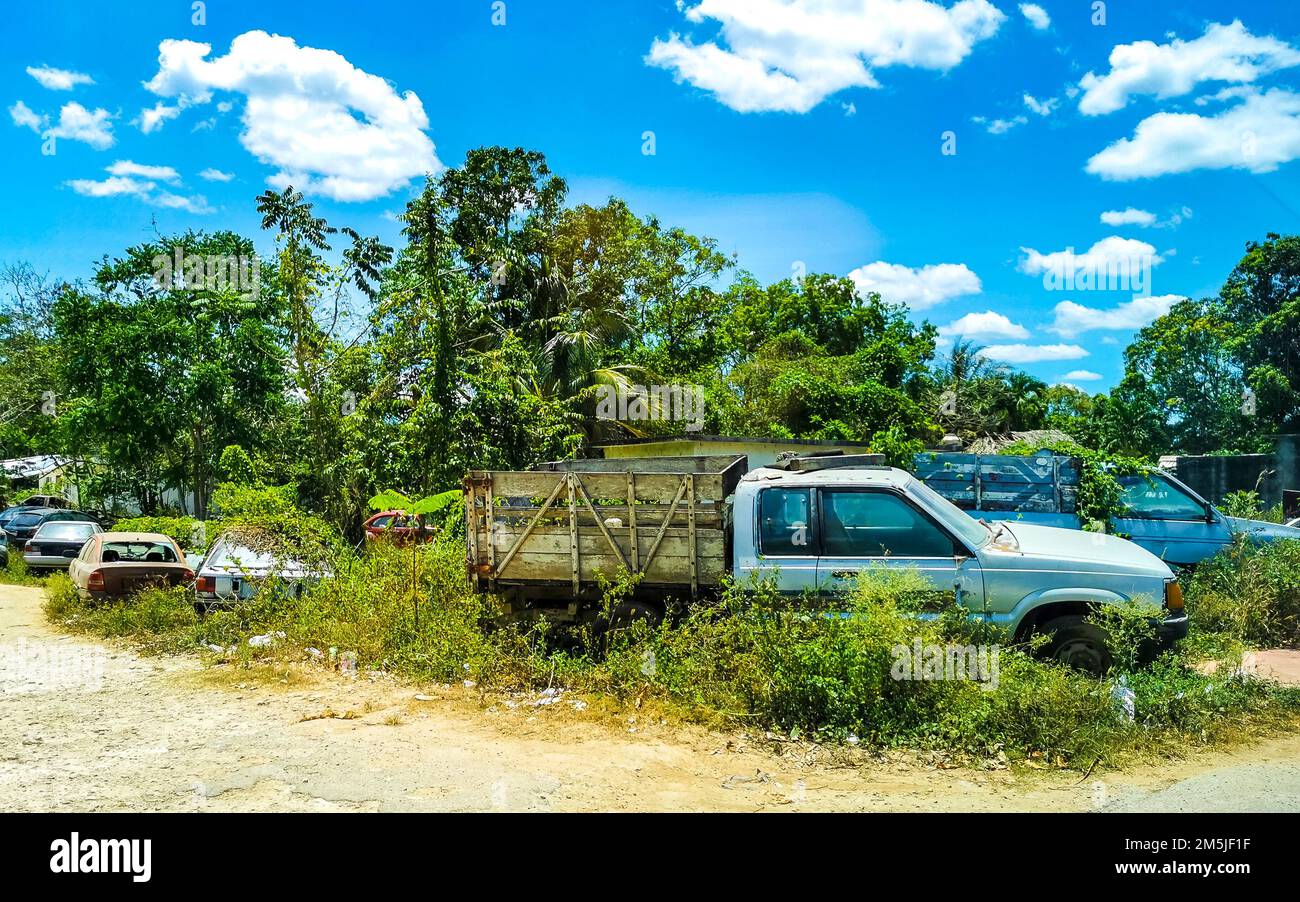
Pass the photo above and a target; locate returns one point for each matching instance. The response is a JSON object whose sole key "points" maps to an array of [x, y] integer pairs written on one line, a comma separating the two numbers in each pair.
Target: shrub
{"points": [[1250, 591]]}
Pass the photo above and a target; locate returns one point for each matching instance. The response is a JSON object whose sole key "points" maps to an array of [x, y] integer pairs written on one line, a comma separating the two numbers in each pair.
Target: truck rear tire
{"points": [[1076, 642]]}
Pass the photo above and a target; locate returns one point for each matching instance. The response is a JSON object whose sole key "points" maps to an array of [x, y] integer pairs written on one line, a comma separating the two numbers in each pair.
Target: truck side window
{"points": [[876, 524], [783, 521], [1150, 497]]}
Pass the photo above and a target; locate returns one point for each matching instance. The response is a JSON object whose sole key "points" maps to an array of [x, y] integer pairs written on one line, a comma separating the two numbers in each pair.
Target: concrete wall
{"points": [[1269, 474]]}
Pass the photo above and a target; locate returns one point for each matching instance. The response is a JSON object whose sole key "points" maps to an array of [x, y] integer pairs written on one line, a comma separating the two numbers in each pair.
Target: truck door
{"points": [[1170, 521], [786, 541], [863, 528]]}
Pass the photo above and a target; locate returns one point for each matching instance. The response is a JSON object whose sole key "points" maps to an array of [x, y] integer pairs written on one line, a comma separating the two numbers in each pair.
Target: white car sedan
{"points": [[56, 542], [234, 572]]}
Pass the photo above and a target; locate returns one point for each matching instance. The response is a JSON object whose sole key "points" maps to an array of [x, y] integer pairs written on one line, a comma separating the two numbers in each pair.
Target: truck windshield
{"points": [[956, 519], [1148, 495]]}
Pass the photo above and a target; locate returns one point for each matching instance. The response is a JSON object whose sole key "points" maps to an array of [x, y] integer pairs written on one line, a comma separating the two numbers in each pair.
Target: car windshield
{"points": [[138, 553], [22, 521], [954, 517], [66, 531]]}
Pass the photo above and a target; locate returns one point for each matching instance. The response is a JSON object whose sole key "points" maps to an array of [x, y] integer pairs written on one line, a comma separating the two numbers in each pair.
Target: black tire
{"points": [[1076, 642]]}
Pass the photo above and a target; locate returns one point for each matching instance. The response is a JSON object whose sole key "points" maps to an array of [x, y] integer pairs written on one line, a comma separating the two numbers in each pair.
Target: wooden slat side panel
{"points": [[654, 487]]}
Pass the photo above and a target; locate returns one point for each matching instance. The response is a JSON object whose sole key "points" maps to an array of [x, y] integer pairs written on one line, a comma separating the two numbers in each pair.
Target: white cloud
{"points": [[130, 179], [985, 325], [76, 123], [1041, 107], [1257, 135], [790, 55], [1227, 53], [150, 120], [1129, 216], [1081, 376], [216, 175], [110, 187], [1035, 15], [918, 288], [58, 79], [149, 173], [1074, 319], [999, 126], [1121, 262], [1022, 353], [328, 127], [23, 117]]}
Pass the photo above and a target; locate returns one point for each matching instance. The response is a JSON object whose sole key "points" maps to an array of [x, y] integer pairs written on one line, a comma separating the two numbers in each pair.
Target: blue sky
{"points": [[797, 133]]}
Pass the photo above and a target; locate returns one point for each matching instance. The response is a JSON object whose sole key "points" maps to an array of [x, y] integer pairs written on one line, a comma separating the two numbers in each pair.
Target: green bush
{"points": [[1250, 591]]}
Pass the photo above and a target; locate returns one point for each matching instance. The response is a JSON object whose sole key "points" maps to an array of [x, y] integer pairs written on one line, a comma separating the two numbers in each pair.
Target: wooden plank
{"points": [[708, 543], [541, 512], [654, 487], [631, 522], [681, 490], [690, 517], [573, 536], [555, 568], [471, 531], [600, 523]]}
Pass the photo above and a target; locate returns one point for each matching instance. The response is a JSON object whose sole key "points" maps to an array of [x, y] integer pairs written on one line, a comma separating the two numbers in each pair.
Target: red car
{"points": [[396, 526]]}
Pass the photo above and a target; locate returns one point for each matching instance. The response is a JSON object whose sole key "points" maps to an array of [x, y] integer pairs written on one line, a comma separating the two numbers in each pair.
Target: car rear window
{"points": [[137, 553], [235, 556], [66, 530], [22, 521]]}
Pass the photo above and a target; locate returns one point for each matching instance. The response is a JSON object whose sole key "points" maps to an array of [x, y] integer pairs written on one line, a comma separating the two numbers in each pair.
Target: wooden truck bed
{"points": [[548, 533]]}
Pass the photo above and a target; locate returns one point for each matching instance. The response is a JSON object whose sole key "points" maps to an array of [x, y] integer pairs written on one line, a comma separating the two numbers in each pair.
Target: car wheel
{"points": [[624, 618], [1078, 643]]}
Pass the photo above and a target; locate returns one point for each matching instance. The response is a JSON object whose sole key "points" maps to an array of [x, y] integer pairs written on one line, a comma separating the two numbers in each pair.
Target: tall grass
{"points": [[748, 658], [1250, 592]]}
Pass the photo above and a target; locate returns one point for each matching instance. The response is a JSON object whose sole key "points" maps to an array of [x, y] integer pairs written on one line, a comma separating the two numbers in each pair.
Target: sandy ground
{"points": [[89, 726]]}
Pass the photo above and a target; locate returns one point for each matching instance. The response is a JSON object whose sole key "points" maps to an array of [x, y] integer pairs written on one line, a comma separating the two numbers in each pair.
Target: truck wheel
{"points": [[1078, 643]]}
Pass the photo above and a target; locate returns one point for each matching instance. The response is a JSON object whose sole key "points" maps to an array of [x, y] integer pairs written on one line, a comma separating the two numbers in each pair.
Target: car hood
{"points": [[1091, 550], [1258, 529]]}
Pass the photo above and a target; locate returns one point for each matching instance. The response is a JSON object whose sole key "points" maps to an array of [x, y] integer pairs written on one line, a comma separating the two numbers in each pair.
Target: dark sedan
{"points": [[23, 526], [56, 543]]}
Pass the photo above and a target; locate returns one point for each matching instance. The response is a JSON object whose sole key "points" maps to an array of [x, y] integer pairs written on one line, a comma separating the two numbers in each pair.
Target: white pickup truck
{"points": [[810, 526]]}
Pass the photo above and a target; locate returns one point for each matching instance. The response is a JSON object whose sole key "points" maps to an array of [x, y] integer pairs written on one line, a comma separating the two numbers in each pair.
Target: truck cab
{"points": [[816, 532]]}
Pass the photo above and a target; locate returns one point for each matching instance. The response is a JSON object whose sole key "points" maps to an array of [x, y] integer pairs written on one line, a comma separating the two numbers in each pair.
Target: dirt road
{"points": [[88, 726]]}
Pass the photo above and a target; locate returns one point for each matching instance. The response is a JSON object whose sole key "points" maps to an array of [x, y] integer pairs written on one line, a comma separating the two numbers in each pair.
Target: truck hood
{"points": [[1258, 529], [1093, 551]]}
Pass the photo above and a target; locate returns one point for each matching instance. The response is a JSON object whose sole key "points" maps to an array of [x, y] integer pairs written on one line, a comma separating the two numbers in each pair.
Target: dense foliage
{"points": [[488, 337]]}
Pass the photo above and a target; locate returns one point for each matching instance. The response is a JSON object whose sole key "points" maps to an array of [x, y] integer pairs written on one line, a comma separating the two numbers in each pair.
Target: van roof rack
{"points": [[829, 460]]}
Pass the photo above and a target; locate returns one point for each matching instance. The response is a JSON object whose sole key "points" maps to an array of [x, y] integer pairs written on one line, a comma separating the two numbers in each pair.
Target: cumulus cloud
{"points": [[58, 79], [1081, 376], [216, 175], [1074, 319], [1112, 263], [919, 288], [1129, 216], [328, 127], [1035, 15], [983, 325], [1258, 135], [790, 55], [127, 178], [1022, 353], [132, 169], [76, 123], [1225, 53], [152, 119]]}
